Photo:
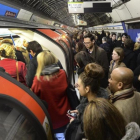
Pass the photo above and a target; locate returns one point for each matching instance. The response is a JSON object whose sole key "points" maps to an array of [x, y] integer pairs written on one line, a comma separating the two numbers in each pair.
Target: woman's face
{"points": [[81, 88], [115, 56]]}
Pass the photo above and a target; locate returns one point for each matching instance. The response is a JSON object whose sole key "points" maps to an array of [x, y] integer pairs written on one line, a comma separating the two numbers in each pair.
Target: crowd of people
{"points": [[108, 82]]}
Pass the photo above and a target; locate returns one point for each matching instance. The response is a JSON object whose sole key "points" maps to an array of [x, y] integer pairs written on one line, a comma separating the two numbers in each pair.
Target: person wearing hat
{"points": [[120, 43]]}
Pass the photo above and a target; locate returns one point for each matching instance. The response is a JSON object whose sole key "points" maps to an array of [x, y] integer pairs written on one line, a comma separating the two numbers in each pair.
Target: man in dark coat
{"points": [[98, 54], [34, 48], [130, 59], [112, 42]]}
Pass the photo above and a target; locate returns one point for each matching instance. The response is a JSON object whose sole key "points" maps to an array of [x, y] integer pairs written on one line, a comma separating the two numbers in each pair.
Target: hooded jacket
{"points": [[53, 91]]}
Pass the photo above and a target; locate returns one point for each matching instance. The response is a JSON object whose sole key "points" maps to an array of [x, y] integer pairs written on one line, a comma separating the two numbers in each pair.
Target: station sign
{"points": [[8, 11], [90, 6], [82, 23]]}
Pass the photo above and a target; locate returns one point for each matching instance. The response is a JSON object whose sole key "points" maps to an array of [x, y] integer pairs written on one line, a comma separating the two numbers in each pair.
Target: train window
{"points": [[14, 126]]}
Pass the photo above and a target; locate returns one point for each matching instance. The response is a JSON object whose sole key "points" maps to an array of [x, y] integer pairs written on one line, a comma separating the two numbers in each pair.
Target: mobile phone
{"points": [[71, 115]]}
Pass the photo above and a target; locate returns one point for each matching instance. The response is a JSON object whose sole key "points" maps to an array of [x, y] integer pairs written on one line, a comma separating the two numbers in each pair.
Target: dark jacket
{"points": [[107, 48], [136, 82], [31, 71], [19, 56], [74, 130], [130, 59], [112, 44], [120, 44], [100, 57]]}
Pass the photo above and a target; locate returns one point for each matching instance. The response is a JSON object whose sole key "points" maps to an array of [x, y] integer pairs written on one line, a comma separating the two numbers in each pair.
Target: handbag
{"points": [[72, 97], [17, 70]]}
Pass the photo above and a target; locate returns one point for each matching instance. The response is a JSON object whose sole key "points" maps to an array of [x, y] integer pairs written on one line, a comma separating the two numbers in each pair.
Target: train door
{"points": [[52, 41], [22, 114], [58, 38]]}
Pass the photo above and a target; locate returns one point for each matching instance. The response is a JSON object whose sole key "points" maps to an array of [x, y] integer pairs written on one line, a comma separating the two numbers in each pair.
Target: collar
{"points": [[122, 95]]}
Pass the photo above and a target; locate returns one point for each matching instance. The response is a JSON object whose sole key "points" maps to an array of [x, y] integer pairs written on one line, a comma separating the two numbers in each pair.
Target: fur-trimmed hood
{"points": [[132, 132]]}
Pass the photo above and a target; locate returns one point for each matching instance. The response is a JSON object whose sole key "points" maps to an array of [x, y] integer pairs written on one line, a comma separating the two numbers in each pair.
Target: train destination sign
{"points": [[90, 6]]}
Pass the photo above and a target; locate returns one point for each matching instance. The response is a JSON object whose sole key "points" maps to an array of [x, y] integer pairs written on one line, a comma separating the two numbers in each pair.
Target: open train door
{"points": [[22, 113]]}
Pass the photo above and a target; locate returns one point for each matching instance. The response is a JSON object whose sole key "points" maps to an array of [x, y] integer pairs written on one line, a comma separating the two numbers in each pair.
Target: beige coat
{"points": [[116, 66], [129, 108]]}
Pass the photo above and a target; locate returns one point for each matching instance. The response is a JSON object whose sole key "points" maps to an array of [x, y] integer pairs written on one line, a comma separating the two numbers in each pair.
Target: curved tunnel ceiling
{"points": [[58, 10]]}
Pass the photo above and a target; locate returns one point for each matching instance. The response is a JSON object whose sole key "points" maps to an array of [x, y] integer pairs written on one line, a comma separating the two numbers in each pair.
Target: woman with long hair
{"points": [[102, 121], [89, 88], [117, 59], [82, 59], [50, 84]]}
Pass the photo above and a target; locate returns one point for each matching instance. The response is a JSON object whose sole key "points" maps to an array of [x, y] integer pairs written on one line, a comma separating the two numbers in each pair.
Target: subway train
{"points": [[22, 114]]}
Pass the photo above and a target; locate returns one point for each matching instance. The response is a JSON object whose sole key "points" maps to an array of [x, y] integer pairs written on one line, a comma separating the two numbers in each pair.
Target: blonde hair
{"points": [[45, 58], [7, 51], [136, 46]]}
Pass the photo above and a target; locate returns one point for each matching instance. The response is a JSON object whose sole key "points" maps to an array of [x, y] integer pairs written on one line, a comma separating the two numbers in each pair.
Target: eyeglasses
{"points": [[86, 43]]}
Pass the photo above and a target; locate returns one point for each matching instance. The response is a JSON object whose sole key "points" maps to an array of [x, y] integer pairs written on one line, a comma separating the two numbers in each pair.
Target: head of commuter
{"points": [[34, 48], [107, 34], [113, 36], [104, 40], [118, 54], [102, 121], [128, 43], [121, 78], [79, 46], [89, 41], [7, 51], [83, 58], [46, 62], [89, 80], [124, 36]]}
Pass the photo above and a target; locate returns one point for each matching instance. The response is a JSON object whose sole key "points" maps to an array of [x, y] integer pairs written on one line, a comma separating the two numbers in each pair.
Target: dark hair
{"points": [[80, 46], [113, 34], [89, 36], [83, 58], [124, 34], [128, 43], [34, 46], [102, 121], [91, 76]]}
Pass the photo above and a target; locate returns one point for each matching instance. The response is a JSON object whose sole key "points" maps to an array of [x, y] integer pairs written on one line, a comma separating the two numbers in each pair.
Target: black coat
{"points": [[19, 56], [112, 44], [107, 48], [120, 44], [136, 82], [130, 59], [31, 71]]}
